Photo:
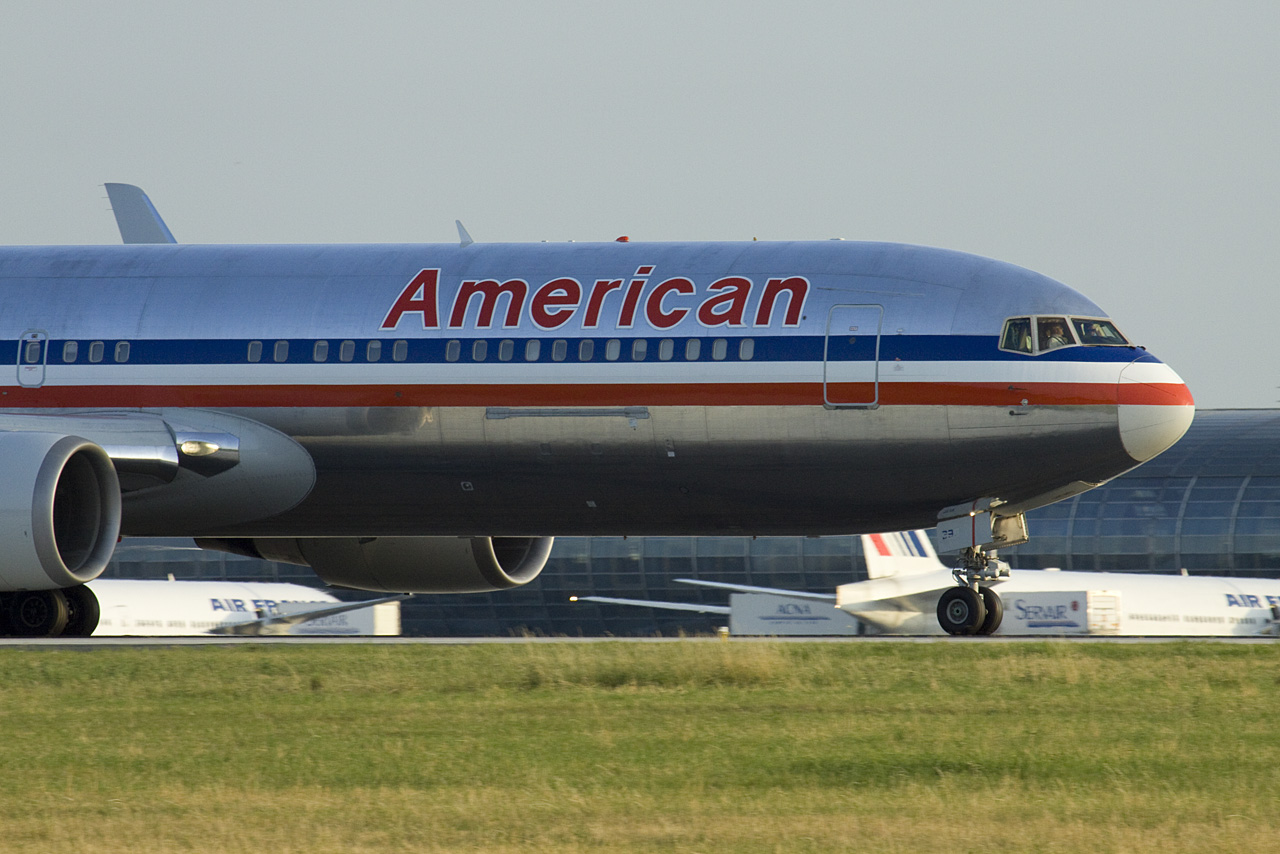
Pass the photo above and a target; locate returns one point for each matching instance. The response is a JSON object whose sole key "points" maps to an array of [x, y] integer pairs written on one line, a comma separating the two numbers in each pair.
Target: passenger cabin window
{"points": [[373, 352], [532, 350], [1052, 332], [559, 349], [586, 349], [506, 349], [255, 351], [281, 353], [719, 349], [69, 351], [693, 349], [400, 350], [747, 349], [666, 349], [320, 353], [96, 348], [452, 351], [346, 351], [122, 351], [480, 350], [612, 349]]}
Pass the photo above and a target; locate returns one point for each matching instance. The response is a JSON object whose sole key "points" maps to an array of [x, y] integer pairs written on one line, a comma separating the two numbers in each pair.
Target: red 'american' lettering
{"points": [[616, 303]]}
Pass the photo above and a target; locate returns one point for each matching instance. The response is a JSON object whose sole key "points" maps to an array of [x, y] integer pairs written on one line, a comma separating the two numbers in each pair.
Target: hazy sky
{"points": [[1131, 150]]}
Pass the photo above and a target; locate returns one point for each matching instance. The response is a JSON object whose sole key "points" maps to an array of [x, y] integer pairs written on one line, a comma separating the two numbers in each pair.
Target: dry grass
{"points": [[744, 747]]}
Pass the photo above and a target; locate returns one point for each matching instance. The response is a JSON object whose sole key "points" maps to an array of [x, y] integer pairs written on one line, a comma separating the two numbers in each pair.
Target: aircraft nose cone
{"points": [[1155, 408]]}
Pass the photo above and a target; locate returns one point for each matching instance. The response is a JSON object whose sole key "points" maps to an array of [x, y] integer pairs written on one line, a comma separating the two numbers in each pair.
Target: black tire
{"points": [[960, 611], [84, 612], [37, 613], [995, 611]]}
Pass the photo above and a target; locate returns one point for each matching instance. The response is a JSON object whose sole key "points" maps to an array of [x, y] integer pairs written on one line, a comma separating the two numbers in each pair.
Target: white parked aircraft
{"points": [[909, 592], [173, 608]]}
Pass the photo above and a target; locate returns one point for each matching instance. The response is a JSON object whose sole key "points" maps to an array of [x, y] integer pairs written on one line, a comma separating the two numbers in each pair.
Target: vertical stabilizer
{"points": [[900, 553], [138, 219]]}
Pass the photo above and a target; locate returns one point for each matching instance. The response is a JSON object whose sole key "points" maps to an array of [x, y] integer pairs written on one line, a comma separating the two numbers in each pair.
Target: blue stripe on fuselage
{"points": [[770, 348]]}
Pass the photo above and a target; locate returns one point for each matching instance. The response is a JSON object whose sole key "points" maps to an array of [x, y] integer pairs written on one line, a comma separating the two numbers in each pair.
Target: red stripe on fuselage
{"points": [[596, 394], [1156, 394]]}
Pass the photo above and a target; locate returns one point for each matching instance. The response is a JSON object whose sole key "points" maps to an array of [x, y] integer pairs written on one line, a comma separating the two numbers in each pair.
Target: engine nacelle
{"points": [[59, 510], [405, 564]]}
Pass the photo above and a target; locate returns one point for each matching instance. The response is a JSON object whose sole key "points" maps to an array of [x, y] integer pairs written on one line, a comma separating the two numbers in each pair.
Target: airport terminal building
{"points": [[1210, 504]]}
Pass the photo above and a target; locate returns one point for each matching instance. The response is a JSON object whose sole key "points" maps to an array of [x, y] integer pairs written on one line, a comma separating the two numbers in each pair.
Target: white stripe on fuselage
{"points": [[569, 373]]}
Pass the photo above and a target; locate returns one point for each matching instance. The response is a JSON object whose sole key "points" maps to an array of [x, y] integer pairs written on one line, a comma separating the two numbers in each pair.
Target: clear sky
{"points": [[1129, 149]]}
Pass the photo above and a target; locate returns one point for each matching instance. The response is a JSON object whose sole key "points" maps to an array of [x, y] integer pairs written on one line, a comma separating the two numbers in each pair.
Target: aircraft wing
{"points": [[649, 603], [747, 588], [279, 624]]}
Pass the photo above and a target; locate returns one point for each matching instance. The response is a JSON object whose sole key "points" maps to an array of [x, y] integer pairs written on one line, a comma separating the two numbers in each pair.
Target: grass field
{"points": [[708, 747]]}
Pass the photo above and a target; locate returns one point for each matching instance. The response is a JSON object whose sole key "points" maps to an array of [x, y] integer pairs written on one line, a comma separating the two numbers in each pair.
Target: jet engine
{"points": [[405, 564], [59, 510]]}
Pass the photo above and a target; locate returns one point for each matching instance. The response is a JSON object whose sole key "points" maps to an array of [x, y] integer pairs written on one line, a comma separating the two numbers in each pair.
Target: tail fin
{"points": [[901, 553], [137, 218]]}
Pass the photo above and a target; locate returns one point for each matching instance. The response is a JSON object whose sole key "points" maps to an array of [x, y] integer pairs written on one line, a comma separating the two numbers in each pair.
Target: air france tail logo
{"points": [[732, 301]]}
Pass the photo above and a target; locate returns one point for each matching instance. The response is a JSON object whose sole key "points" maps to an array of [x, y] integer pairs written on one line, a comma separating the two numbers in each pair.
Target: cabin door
{"points": [[32, 355], [851, 357]]}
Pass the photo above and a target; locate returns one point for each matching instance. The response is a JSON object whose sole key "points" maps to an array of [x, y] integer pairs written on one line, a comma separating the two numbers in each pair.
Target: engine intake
{"points": [[405, 564], [59, 510]]}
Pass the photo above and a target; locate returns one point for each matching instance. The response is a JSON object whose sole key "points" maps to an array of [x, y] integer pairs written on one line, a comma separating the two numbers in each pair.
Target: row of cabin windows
{"points": [[612, 350], [320, 351], [33, 351]]}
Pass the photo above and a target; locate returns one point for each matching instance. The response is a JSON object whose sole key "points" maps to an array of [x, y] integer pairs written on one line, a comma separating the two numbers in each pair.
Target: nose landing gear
{"points": [[971, 608]]}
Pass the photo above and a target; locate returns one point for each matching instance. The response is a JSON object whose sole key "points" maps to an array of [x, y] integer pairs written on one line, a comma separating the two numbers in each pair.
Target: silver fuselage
{"points": [[833, 387]]}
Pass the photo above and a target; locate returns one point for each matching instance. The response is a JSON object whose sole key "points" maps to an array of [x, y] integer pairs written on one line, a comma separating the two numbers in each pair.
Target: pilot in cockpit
{"points": [[1091, 332], [1053, 333]]}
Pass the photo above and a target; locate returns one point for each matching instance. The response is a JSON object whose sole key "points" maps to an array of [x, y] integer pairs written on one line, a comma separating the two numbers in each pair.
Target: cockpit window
{"points": [[1096, 331], [1051, 332], [1017, 335]]}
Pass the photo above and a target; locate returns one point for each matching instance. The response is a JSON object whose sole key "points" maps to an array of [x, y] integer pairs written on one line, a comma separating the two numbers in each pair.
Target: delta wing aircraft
{"points": [[424, 418], [909, 591]]}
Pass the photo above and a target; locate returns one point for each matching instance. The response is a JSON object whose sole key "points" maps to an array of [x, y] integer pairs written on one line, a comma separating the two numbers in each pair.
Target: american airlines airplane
{"points": [[909, 592], [425, 418]]}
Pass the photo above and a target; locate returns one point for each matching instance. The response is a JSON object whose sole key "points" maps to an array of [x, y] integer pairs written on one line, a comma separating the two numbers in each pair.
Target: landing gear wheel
{"points": [[83, 612], [37, 613], [961, 611], [995, 611]]}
